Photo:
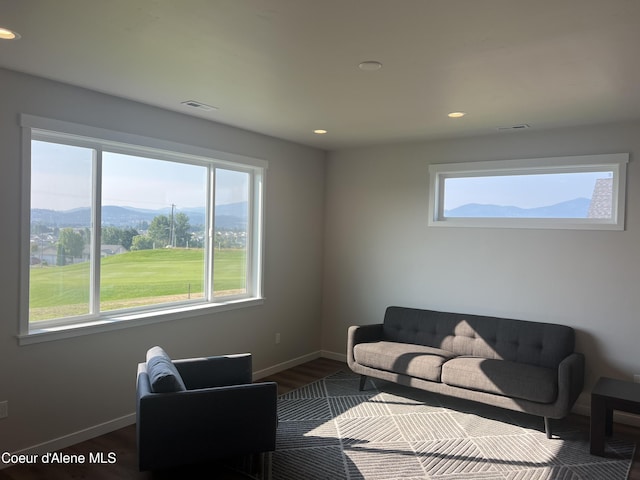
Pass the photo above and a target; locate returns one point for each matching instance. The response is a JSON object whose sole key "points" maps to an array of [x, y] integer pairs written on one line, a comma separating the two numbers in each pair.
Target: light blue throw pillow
{"points": [[163, 375]]}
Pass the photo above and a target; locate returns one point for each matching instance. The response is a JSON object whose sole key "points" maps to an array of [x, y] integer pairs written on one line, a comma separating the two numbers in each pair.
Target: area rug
{"points": [[330, 430]]}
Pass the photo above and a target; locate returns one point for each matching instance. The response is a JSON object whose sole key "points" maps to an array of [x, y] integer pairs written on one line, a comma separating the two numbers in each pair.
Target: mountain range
{"points": [[576, 208], [234, 215], [228, 216]]}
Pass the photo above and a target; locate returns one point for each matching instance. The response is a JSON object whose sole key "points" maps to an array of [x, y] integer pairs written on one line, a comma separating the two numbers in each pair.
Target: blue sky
{"points": [[61, 180], [524, 191]]}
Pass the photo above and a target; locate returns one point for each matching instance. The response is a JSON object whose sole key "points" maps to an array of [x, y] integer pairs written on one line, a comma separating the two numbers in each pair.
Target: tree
{"points": [[70, 243], [118, 236], [141, 242], [160, 230], [111, 236], [196, 241], [181, 229], [61, 257], [128, 234]]}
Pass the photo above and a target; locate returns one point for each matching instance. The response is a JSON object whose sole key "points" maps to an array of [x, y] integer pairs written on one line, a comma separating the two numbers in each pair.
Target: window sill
{"points": [[528, 223], [108, 324]]}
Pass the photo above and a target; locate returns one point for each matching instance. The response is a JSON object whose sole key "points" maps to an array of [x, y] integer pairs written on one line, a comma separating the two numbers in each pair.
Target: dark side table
{"points": [[608, 395]]}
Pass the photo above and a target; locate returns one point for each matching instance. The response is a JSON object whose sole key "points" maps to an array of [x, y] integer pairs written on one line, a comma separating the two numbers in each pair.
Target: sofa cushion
{"points": [[163, 375], [414, 360], [502, 377]]}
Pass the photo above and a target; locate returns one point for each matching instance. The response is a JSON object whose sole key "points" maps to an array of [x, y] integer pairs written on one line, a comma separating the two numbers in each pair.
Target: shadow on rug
{"points": [[330, 430]]}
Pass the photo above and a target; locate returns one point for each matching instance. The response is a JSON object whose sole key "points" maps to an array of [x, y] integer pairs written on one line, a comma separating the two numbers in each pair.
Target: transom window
{"points": [[582, 192], [124, 231]]}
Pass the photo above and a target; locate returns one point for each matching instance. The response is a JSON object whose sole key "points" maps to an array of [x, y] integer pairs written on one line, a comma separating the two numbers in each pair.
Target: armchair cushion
{"points": [[163, 375]]}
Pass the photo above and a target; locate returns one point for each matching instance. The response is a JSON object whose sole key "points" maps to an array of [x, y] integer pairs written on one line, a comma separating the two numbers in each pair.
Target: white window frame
{"points": [[616, 163], [39, 128]]}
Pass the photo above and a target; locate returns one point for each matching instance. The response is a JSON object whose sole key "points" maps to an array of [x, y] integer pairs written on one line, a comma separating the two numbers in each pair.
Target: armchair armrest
{"points": [[215, 371]]}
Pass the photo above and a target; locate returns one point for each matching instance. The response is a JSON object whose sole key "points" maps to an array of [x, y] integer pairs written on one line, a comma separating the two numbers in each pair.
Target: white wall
{"points": [[379, 250], [58, 388]]}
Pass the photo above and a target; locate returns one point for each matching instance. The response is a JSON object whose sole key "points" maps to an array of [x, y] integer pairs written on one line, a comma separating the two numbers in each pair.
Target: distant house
{"points": [[49, 255], [105, 251], [602, 199], [45, 255], [108, 250]]}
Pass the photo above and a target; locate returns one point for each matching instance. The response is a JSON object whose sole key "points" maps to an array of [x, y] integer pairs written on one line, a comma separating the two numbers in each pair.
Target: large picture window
{"points": [[582, 192], [130, 231]]}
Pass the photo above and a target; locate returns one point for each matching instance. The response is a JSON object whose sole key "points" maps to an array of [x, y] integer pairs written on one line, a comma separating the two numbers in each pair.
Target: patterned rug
{"points": [[330, 430]]}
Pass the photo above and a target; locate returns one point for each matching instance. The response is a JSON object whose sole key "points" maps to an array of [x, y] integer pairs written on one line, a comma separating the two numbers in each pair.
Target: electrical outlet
{"points": [[277, 338], [636, 378], [4, 409]]}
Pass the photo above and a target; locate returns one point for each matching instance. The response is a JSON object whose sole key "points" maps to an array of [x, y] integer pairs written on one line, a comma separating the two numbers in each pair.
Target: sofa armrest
{"points": [[215, 371], [362, 334], [570, 380]]}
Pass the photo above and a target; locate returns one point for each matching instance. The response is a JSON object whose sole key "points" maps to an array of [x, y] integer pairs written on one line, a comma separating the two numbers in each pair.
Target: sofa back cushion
{"points": [[534, 343]]}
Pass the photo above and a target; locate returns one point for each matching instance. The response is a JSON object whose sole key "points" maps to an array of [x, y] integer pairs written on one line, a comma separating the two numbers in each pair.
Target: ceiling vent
{"points": [[522, 126], [199, 105]]}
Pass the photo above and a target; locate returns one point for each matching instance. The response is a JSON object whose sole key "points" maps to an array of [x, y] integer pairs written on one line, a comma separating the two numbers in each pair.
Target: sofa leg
{"points": [[547, 426], [363, 379]]}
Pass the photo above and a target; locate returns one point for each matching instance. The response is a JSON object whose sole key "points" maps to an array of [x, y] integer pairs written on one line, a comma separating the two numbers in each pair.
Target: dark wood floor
{"points": [[123, 443]]}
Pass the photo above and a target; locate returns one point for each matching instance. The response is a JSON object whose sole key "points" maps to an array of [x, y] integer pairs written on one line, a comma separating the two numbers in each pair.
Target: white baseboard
{"points": [[339, 357], [280, 367], [286, 365], [76, 437]]}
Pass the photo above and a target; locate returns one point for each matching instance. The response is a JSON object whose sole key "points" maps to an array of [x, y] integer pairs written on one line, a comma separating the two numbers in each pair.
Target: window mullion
{"points": [[209, 253], [249, 267], [25, 231], [96, 222], [254, 248]]}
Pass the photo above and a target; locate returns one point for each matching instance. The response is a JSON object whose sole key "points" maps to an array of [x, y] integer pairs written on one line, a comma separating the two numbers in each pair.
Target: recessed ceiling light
{"points": [[7, 34], [456, 114], [319, 131], [370, 66]]}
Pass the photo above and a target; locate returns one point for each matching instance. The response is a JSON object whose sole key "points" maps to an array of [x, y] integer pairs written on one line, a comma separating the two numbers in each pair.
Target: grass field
{"points": [[136, 278]]}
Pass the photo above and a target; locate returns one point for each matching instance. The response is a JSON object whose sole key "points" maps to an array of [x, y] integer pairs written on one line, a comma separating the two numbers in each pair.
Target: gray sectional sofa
{"points": [[520, 365]]}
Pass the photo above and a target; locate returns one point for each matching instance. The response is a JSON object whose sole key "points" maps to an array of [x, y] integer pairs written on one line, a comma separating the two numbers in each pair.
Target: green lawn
{"points": [[136, 278]]}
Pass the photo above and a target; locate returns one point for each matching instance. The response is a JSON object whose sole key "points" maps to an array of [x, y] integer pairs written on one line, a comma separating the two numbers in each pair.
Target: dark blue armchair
{"points": [[195, 410]]}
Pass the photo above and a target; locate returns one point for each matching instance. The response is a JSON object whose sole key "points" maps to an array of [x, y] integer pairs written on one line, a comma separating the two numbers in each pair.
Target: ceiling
{"points": [[286, 67]]}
